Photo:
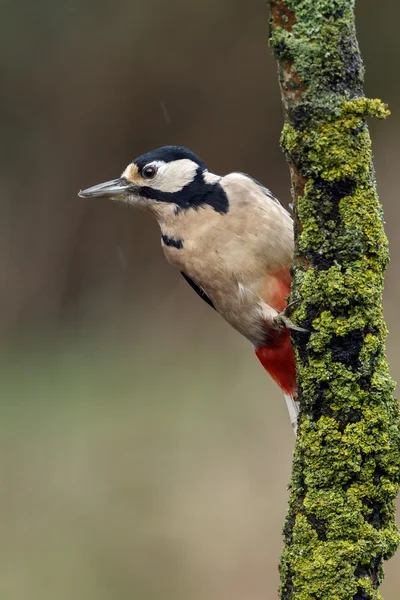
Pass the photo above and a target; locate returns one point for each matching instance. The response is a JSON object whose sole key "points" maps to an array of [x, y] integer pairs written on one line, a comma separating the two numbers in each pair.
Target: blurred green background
{"points": [[144, 451]]}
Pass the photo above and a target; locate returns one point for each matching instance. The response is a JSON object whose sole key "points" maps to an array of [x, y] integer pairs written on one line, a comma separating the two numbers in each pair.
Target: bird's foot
{"points": [[283, 318]]}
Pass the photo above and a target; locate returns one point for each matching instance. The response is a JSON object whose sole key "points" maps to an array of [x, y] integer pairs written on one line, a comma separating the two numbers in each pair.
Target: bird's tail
{"points": [[293, 407], [278, 360]]}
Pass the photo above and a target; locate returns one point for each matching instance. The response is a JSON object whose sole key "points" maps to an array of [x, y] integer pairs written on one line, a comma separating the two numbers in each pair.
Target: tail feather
{"points": [[293, 407], [278, 360]]}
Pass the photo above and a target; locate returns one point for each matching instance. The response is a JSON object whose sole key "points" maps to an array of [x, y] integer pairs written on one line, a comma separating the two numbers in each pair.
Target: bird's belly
{"points": [[249, 307], [245, 298], [246, 320], [239, 306]]}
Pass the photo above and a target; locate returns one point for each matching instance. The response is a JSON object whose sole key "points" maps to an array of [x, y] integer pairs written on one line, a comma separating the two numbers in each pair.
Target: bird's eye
{"points": [[149, 172]]}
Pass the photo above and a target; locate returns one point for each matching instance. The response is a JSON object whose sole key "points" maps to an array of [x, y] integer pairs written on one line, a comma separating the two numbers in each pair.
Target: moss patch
{"points": [[340, 526]]}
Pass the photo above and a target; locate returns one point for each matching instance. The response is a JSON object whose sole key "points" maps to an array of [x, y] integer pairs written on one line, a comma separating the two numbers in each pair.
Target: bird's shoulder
{"points": [[243, 189]]}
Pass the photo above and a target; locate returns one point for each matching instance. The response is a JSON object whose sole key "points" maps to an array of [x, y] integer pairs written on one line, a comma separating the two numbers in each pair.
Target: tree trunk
{"points": [[340, 525]]}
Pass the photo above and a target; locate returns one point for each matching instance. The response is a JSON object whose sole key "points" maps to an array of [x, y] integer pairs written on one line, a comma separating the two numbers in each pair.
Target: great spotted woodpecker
{"points": [[232, 241]]}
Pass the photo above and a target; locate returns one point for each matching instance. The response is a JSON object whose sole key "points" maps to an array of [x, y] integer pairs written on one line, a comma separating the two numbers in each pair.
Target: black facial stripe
{"points": [[172, 242], [194, 195]]}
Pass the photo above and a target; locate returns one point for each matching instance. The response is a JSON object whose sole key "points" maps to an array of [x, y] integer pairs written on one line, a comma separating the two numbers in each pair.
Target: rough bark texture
{"points": [[340, 525]]}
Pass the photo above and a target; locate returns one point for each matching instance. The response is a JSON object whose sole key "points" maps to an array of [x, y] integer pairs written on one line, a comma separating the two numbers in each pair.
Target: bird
{"points": [[232, 241]]}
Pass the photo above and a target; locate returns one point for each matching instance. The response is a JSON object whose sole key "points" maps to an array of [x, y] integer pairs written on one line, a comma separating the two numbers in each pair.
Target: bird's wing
{"points": [[236, 181], [262, 187], [198, 290]]}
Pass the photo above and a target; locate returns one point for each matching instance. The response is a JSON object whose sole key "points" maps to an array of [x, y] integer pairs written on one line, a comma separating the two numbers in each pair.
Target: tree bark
{"points": [[340, 525]]}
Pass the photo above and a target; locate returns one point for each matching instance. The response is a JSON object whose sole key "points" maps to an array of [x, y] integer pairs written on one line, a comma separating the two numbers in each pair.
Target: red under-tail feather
{"points": [[277, 357], [278, 360]]}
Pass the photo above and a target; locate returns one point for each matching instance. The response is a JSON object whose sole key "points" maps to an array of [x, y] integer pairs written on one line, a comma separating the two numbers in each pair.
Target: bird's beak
{"points": [[109, 189]]}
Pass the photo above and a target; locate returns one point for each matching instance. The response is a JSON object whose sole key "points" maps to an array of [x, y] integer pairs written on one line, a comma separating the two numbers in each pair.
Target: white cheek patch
{"points": [[174, 176], [171, 177]]}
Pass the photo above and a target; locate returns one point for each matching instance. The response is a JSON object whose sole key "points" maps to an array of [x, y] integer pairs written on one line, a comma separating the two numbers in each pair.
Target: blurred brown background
{"points": [[144, 452]]}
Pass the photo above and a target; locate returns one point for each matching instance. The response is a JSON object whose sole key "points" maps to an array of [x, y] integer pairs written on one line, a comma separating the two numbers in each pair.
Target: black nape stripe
{"points": [[172, 242]]}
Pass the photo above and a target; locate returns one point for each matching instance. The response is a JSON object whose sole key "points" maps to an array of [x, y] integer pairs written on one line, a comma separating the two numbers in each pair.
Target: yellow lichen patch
{"points": [[346, 471]]}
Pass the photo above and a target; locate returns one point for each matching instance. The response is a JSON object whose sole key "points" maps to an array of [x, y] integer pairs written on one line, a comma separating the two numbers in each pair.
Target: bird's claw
{"points": [[284, 317], [290, 325], [289, 308]]}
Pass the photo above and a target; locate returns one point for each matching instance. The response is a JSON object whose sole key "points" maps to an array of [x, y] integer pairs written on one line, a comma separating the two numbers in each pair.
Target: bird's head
{"points": [[170, 178]]}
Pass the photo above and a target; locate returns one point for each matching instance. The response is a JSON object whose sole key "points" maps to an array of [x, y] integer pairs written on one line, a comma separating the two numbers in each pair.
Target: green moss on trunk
{"points": [[340, 526]]}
